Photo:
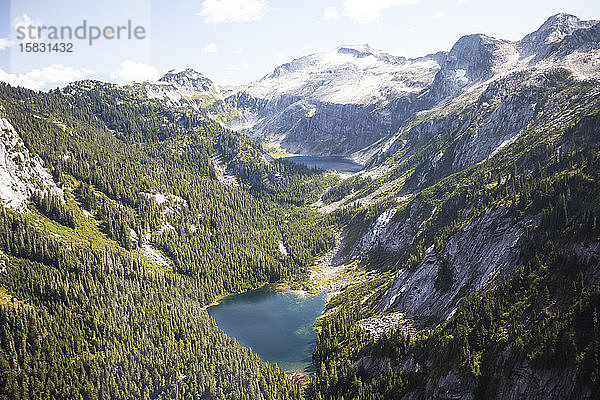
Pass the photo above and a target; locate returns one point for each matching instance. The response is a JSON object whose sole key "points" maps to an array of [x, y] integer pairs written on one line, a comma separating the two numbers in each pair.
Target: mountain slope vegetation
{"points": [[467, 250], [106, 282]]}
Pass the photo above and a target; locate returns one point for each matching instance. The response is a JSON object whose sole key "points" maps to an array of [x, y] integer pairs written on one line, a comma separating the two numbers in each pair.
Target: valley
{"points": [[433, 223]]}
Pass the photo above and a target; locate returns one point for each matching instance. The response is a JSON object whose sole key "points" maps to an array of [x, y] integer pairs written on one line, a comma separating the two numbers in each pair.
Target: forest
{"points": [[84, 314]]}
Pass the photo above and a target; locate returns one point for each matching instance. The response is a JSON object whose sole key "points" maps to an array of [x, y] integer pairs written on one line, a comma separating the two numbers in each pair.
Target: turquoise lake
{"points": [[337, 163], [276, 325]]}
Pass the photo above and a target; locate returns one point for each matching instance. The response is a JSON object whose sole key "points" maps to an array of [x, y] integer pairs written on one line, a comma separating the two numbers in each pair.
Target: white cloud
{"points": [[210, 48], [331, 13], [460, 2], [237, 67], [437, 15], [25, 21], [217, 11], [5, 43], [53, 75], [132, 71], [367, 11]]}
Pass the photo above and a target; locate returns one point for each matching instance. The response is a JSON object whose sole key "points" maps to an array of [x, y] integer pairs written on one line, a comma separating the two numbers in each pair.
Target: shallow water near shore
{"points": [[276, 324]]}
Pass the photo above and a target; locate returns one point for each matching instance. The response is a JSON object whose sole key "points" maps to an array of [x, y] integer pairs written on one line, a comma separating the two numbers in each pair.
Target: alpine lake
{"points": [[278, 324]]}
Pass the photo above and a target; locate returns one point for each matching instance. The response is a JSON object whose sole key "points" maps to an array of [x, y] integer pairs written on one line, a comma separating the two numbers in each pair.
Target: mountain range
{"points": [[461, 262], [355, 97]]}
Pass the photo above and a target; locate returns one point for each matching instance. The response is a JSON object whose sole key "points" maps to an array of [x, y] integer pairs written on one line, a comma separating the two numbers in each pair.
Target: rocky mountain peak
{"points": [[363, 50], [328, 94], [475, 46], [556, 28], [560, 24], [334, 60], [188, 78], [469, 60]]}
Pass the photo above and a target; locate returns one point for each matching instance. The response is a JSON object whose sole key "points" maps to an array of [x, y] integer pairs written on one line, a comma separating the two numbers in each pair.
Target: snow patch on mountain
{"points": [[348, 75]]}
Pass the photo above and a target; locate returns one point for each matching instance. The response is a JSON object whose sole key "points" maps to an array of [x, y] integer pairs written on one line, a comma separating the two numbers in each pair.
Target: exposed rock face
{"points": [[452, 387], [389, 232], [332, 103], [470, 60], [465, 134], [223, 175], [485, 249], [588, 254], [187, 88], [585, 39], [378, 325], [526, 383], [310, 127], [539, 44], [511, 113], [20, 172], [188, 78], [522, 383]]}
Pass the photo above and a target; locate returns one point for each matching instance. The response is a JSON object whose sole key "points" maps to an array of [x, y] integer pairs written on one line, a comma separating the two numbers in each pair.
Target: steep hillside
{"points": [[21, 173], [123, 234], [477, 227]]}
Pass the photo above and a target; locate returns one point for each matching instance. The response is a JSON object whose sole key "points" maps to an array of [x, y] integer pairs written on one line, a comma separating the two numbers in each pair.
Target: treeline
{"points": [[225, 236], [95, 321]]}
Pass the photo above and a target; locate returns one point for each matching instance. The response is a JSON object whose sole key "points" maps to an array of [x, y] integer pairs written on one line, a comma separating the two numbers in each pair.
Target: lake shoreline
{"points": [[277, 286], [341, 164], [231, 313], [276, 322]]}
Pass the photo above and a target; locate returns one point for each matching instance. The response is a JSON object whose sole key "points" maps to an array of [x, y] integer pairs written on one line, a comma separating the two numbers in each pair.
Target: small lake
{"points": [[276, 325], [340, 164]]}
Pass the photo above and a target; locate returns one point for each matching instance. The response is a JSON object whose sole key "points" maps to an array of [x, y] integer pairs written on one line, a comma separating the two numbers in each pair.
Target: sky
{"points": [[237, 41]]}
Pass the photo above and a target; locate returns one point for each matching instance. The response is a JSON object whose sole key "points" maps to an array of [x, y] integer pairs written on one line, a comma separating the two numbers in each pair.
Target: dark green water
{"points": [[337, 163], [276, 325]]}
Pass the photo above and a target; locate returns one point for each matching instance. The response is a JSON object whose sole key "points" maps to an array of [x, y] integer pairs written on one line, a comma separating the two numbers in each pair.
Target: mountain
{"points": [[478, 64], [331, 103], [187, 88], [344, 101], [541, 43], [356, 75], [462, 262], [334, 103], [473, 219], [116, 233]]}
